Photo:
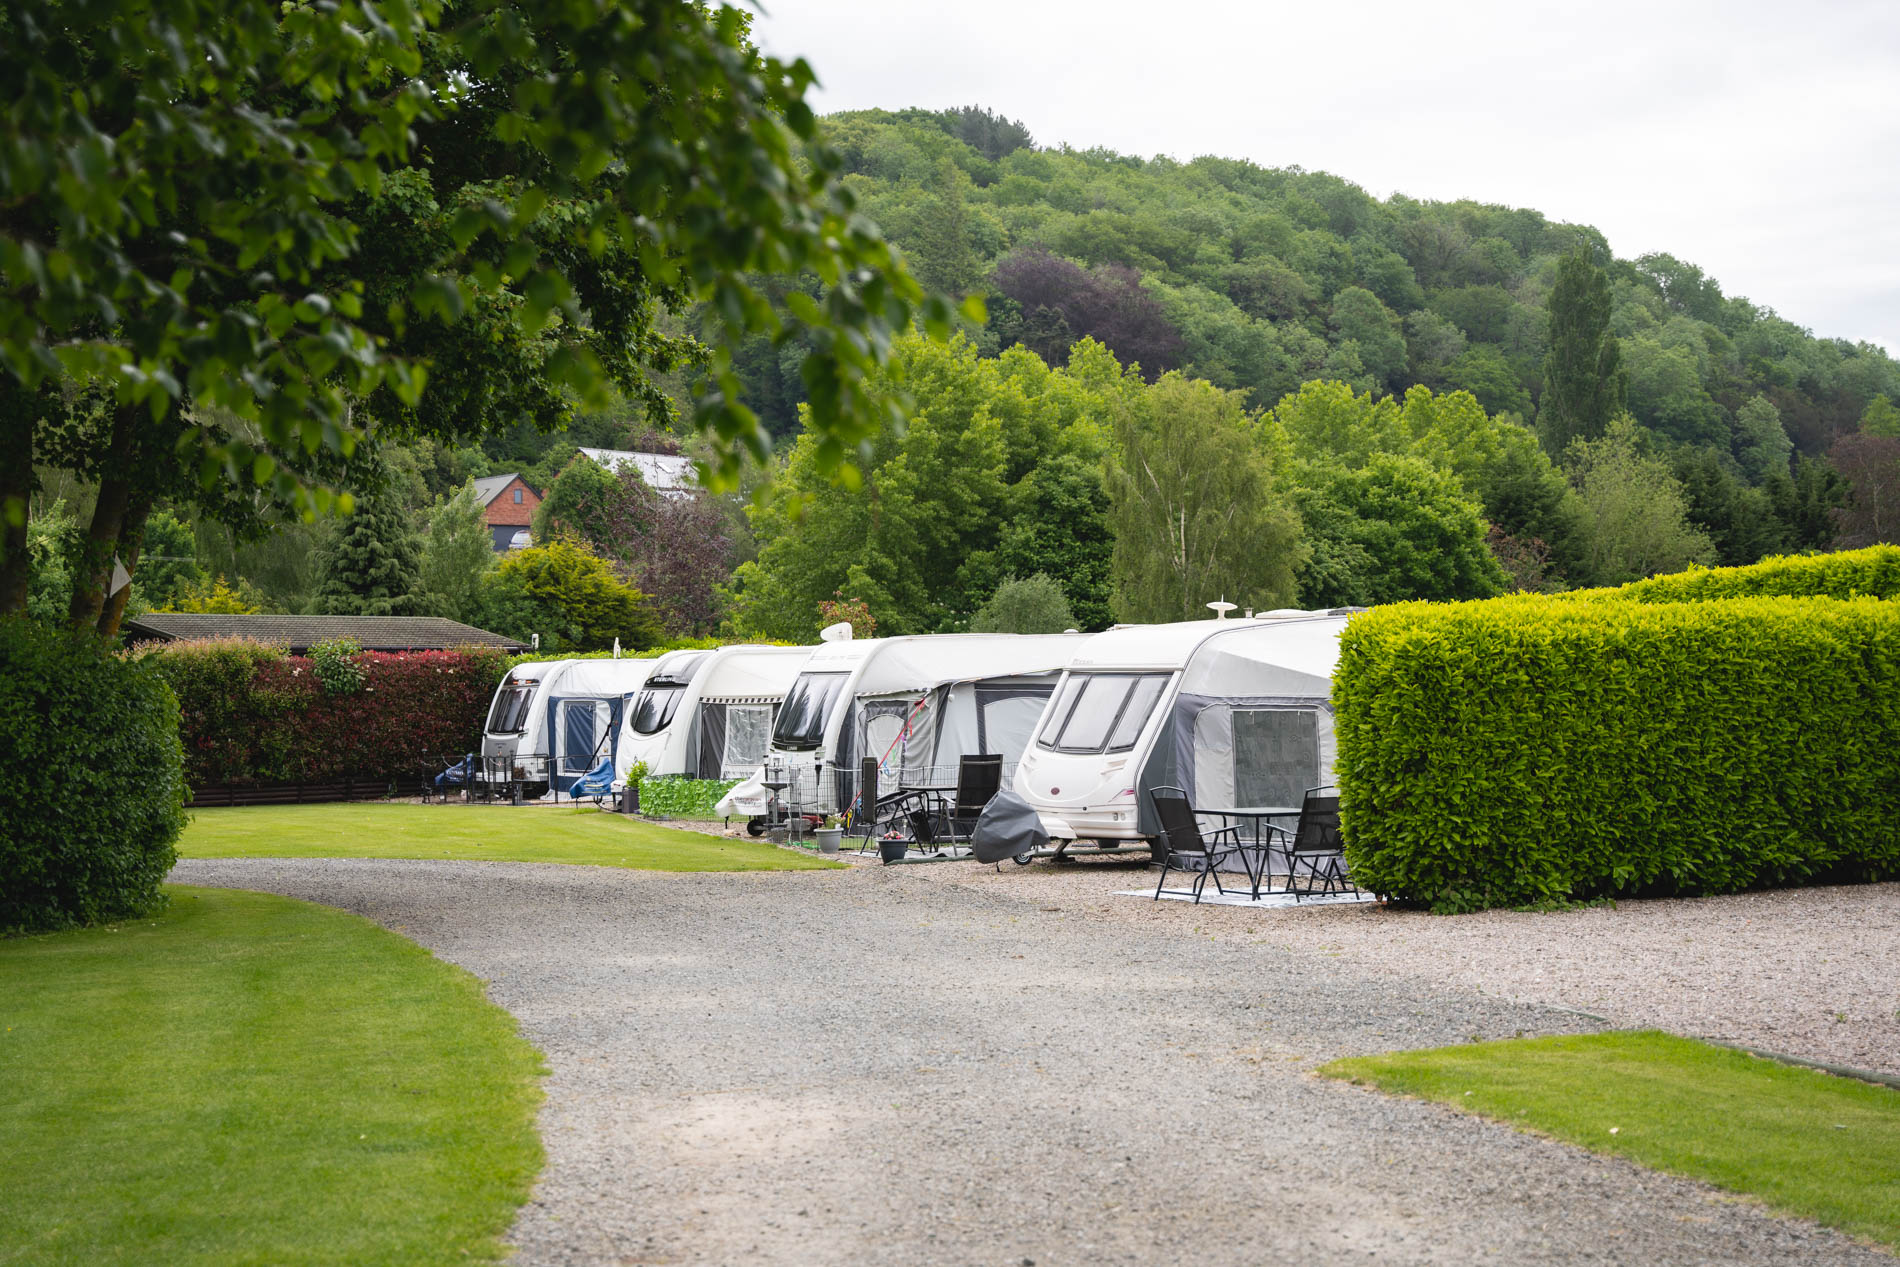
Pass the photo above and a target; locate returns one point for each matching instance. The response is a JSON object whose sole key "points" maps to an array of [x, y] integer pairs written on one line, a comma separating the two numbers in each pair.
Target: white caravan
{"points": [[1236, 712], [707, 714], [556, 717], [917, 704]]}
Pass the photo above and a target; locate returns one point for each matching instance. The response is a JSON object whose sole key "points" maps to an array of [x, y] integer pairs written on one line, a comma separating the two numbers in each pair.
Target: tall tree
{"points": [[458, 551], [948, 506], [372, 564], [1762, 445], [1583, 376], [1395, 529], [1197, 513], [1870, 465], [1636, 514], [1064, 530], [1062, 303], [570, 596], [192, 199], [1880, 418]]}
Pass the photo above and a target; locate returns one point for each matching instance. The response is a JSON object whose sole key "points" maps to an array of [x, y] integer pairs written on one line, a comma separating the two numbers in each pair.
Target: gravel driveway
{"points": [[896, 1066], [1813, 973]]}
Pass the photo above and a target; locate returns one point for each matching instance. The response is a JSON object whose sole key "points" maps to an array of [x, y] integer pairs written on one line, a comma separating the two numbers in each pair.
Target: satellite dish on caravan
{"points": [[840, 632]]}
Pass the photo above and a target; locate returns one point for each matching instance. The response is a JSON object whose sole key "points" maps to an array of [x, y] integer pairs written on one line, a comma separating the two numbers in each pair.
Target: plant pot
{"points": [[828, 838], [893, 850]]}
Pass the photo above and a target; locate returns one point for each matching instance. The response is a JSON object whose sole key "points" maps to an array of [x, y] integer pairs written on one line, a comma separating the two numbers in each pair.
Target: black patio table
{"points": [[1256, 814]]}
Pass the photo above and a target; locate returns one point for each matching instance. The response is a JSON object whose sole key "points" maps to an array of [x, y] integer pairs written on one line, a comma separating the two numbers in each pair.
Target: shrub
{"points": [[251, 713], [674, 797], [1531, 749], [335, 662], [1036, 604], [1873, 572], [91, 801]]}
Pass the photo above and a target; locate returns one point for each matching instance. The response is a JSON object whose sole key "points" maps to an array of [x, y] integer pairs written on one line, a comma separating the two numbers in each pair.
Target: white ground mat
{"points": [[1267, 900]]}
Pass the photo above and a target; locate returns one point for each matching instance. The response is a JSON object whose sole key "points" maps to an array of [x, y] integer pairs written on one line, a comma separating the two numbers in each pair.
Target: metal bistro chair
{"points": [[979, 778], [1188, 848], [1316, 846]]}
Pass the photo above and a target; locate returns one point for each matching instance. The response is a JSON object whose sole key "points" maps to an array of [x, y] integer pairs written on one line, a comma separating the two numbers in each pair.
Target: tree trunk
{"points": [[18, 415], [93, 571], [131, 542]]}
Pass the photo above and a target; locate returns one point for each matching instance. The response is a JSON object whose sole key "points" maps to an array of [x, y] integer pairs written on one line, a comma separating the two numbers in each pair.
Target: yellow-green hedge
{"points": [[1873, 572], [1532, 749]]}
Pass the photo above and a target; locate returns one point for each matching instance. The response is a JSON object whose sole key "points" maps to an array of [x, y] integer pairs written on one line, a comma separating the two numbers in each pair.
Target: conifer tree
{"points": [[1583, 375], [371, 565]]}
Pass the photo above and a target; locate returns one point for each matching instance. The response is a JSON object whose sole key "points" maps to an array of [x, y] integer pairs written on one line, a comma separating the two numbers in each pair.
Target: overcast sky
{"points": [[1760, 141]]}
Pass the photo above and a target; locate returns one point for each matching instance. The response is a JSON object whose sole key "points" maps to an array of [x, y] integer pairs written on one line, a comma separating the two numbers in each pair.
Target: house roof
{"points": [[663, 472], [372, 633], [489, 487]]}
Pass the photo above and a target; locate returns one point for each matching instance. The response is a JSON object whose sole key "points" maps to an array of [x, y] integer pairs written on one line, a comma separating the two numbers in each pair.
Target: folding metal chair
{"points": [[979, 778], [1316, 845], [1190, 849]]}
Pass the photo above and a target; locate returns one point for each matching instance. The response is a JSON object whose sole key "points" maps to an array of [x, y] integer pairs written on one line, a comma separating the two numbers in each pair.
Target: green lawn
{"points": [[497, 833], [249, 1079], [1806, 1143]]}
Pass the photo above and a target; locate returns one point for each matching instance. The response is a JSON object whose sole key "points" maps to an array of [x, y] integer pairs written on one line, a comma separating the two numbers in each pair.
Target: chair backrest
{"points": [[867, 792], [1318, 831], [978, 779], [1178, 827]]}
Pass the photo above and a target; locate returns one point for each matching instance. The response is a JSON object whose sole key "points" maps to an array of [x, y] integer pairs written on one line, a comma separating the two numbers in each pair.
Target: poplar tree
{"points": [[1584, 381]]}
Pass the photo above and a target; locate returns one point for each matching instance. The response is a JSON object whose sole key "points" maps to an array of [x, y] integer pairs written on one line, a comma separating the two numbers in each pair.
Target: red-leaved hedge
{"points": [[250, 713]]}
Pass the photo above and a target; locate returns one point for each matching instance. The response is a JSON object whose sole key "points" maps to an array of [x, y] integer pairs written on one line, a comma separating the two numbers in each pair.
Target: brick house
{"points": [[509, 503]]}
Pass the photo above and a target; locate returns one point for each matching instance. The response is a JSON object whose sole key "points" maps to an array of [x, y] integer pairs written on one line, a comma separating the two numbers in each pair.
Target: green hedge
{"points": [[675, 797], [92, 791], [1529, 749], [1873, 572]]}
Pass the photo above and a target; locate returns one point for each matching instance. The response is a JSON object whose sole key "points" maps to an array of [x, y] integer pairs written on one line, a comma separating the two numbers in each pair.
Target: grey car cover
{"points": [[1008, 827]]}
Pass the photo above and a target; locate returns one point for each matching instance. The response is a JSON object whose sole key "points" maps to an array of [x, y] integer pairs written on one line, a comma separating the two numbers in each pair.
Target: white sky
{"points": [[1760, 141]]}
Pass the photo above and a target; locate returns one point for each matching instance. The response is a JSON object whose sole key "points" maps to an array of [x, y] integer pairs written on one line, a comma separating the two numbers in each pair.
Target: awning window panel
{"points": [[748, 730], [1276, 755]]}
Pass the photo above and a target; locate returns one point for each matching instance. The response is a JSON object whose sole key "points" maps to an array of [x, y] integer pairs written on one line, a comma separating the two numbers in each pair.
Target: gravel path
{"points": [[877, 1065], [1807, 972]]}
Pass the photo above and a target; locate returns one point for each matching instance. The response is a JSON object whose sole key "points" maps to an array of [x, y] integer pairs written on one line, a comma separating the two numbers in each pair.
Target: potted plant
{"points": [[829, 835], [630, 795], [893, 846]]}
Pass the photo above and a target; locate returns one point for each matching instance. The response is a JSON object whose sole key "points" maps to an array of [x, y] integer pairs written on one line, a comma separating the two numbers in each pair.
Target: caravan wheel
{"points": [[755, 826], [1024, 859]]}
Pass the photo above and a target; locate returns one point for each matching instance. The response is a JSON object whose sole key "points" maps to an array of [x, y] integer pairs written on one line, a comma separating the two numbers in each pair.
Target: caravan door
{"points": [[583, 734]]}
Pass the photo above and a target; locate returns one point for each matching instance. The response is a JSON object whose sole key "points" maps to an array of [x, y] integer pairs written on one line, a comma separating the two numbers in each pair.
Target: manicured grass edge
{"points": [[1860, 1206], [171, 1192]]}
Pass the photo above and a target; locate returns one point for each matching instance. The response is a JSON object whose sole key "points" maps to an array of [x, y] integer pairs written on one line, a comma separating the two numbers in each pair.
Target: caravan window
{"points": [[802, 717], [654, 708], [1101, 712], [510, 713]]}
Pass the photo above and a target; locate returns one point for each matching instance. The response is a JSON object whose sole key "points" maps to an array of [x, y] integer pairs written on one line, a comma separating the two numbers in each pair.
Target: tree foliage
{"points": [[1395, 529], [1061, 303], [1636, 521], [997, 463], [1870, 466], [457, 554], [568, 595], [1583, 377], [1031, 605], [236, 222], [371, 564], [1197, 511]]}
